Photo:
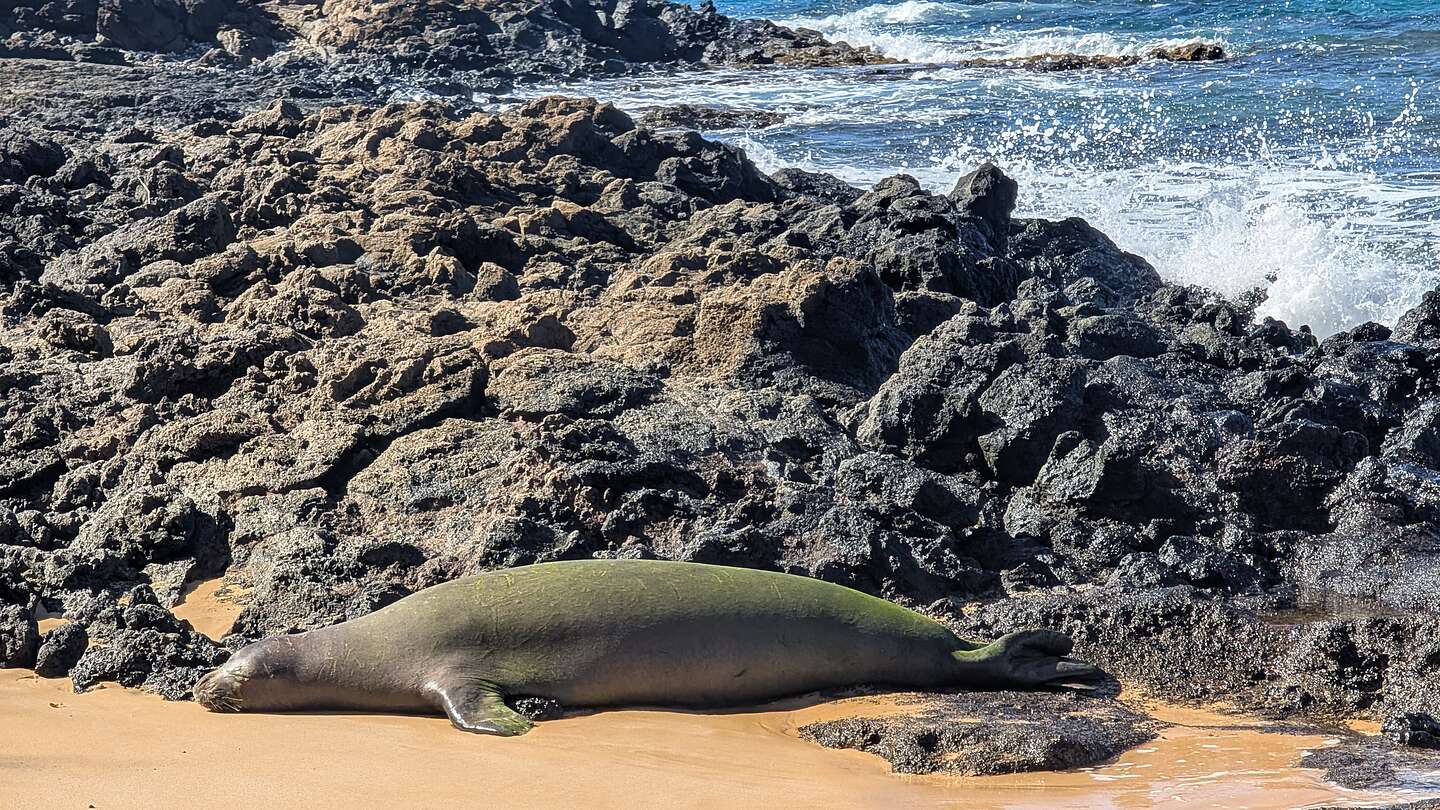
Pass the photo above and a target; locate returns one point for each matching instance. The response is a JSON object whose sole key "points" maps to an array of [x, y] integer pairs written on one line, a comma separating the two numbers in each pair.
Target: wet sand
{"points": [[118, 748], [1205, 759]]}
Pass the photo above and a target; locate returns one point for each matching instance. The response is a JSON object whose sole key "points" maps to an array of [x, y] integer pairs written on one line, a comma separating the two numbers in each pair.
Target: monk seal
{"points": [[594, 633]]}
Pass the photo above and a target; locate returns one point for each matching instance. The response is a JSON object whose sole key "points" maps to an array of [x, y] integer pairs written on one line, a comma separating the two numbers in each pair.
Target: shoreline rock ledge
{"points": [[499, 39]]}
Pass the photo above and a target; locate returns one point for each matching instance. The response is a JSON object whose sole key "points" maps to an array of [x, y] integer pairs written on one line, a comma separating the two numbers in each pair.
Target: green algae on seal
{"points": [[619, 632]]}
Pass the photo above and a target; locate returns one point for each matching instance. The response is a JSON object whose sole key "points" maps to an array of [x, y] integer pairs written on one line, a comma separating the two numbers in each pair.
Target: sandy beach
{"points": [[116, 748]]}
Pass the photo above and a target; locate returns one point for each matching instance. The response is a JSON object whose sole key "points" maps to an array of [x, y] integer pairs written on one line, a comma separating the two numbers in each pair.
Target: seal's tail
{"points": [[1022, 660]]}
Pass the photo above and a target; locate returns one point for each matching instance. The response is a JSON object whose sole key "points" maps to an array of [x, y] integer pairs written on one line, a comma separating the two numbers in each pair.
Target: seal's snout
{"points": [[218, 691]]}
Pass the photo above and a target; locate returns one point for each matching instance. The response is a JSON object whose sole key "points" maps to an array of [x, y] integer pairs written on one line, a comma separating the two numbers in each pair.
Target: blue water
{"points": [[1308, 164]]}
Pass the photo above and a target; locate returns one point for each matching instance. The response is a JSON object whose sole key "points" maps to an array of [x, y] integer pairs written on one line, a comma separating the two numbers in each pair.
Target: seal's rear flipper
{"points": [[1022, 660], [480, 710]]}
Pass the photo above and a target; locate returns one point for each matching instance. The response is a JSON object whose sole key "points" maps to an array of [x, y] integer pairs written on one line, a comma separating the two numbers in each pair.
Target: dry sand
{"points": [[211, 607], [118, 748]]}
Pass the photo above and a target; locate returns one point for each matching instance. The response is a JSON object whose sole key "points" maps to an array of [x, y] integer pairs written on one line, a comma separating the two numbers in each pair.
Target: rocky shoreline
{"points": [[496, 40], [168, 51], [462, 43], [259, 324]]}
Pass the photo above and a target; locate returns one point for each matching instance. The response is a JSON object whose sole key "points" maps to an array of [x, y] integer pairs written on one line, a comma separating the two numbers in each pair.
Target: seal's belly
{"points": [[725, 661]]}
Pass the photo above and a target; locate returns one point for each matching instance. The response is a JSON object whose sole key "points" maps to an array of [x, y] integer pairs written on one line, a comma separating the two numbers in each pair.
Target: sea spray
{"points": [[1307, 164]]}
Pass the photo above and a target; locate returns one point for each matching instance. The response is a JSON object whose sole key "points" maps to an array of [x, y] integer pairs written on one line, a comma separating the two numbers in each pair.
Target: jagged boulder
{"points": [[1421, 324], [1070, 251]]}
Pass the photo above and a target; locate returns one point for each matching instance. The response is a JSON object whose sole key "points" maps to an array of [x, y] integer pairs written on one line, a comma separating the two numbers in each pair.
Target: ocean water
{"points": [[1308, 164]]}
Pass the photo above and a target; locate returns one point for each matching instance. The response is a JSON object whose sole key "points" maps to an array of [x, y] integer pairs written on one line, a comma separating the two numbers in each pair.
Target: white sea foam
{"points": [[1316, 270], [1326, 245], [909, 11], [1327, 256], [895, 44], [888, 28], [1068, 42], [883, 27], [1297, 200]]}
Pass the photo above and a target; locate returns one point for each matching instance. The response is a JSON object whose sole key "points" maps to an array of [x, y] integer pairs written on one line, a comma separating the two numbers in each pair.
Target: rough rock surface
{"points": [[1198, 51], [989, 733], [139, 643], [345, 353], [1371, 763], [19, 638], [434, 42], [699, 117], [1413, 729], [60, 649], [102, 30], [451, 48]]}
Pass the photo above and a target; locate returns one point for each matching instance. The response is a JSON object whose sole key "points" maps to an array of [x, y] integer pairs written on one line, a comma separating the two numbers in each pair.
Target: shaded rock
{"points": [[1418, 439], [1379, 548], [1211, 649], [67, 329], [160, 657], [1070, 250], [694, 116], [988, 195], [158, 25], [153, 534], [1372, 763], [494, 283], [1191, 52], [1052, 62], [19, 637], [929, 409], [1031, 405], [195, 230], [1283, 474], [1101, 337], [1421, 324], [60, 649], [919, 241], [833, 325], [23, 157], [921, 312], [813, 184], [856, 546], [534, 383], [1413, 729]]}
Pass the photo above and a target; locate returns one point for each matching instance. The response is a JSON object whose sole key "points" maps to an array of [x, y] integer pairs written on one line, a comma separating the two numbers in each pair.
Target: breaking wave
{"points": [[1309, 167], [891, 29]]}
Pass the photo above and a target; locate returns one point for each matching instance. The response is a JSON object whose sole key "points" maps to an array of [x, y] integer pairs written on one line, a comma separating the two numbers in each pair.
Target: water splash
{"points": [[906, 31], [1310, 166]]}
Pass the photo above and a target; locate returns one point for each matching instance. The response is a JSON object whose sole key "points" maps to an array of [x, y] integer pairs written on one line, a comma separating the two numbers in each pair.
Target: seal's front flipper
{"points": [[480, 710]]}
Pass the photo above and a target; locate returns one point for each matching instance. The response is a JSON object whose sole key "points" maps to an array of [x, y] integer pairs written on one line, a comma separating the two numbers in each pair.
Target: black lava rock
{"points": [[1413, 729], [60, 649], [19, 636]]}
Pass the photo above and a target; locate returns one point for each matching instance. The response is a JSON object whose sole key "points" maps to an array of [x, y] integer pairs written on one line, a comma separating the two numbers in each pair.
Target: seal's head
{"points": [[263, 676]]}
